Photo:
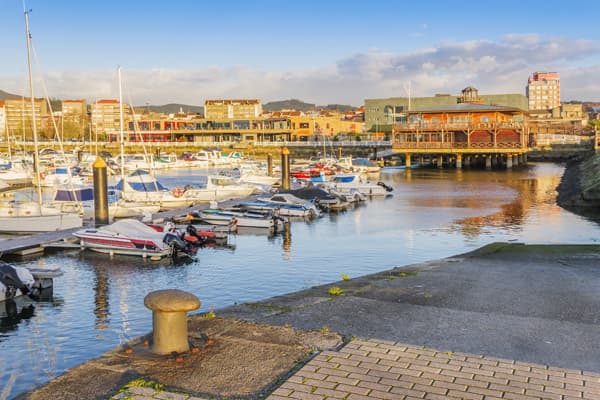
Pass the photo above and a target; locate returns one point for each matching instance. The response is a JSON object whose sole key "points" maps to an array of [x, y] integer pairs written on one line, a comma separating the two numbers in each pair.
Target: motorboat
{"points": [[133, 237], [325, 199], [360, 165], [60, 176], [80, 199], [345, 183], [241, 218], [31, 217], [219, 188], [141, 186], [284, 204], [19, 281]]}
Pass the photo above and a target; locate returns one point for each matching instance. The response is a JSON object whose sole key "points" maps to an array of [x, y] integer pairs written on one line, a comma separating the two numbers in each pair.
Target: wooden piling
{"points": [[285, 169], [100, 192], [270, 164]]}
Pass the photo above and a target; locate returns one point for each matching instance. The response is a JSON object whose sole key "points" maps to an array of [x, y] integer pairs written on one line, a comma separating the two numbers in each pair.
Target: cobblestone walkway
{"points": [[383, 370], [373, 369]]}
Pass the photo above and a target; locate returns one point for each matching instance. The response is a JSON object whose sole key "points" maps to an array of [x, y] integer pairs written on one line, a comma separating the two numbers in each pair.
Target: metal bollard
{"points": [[169, 319]]}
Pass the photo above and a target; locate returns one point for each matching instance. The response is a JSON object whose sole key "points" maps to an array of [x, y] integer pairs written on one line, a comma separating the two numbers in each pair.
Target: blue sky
{"points": [[323, 52]]}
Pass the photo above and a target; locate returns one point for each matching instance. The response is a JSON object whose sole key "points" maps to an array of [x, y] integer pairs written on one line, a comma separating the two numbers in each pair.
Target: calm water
{"points": [[98, 303]]}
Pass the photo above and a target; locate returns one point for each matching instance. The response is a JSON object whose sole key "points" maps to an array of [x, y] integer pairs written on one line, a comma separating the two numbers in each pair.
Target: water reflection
{"points": [[98, 303]]}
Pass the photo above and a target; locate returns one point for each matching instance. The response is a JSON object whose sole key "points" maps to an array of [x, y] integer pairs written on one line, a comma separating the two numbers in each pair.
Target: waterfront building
{"points": [[105, 118], [472, 129], [19, 119], [543, 90], [380, 114], [232, 109]]}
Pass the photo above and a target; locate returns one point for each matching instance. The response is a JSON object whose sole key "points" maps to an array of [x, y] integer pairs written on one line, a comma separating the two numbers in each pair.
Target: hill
{"points": [[298, 105]]}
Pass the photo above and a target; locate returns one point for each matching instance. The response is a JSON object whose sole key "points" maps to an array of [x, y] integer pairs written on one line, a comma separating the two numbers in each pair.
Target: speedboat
{"points": [[284, 204], [219, 188], [19, 281], [133, 237], [241, 218], [345, 183]]}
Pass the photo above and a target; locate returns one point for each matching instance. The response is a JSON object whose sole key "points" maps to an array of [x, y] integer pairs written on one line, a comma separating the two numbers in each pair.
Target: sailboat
{"points": [[32, 217], [141, 187]]}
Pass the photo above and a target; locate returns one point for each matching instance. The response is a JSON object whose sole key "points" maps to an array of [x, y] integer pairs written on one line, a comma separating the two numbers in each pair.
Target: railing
{"points": [[459, 126], [456, 145], [327, 143]]}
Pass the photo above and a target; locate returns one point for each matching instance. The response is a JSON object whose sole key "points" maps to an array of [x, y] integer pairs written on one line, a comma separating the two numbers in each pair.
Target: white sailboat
{"points": [[31, 217]]}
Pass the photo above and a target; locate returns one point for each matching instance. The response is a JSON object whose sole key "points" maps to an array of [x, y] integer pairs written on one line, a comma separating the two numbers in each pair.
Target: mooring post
{"points": [[339, 153], [100, 193], [285, 169], [169, 319], [270, 164]]}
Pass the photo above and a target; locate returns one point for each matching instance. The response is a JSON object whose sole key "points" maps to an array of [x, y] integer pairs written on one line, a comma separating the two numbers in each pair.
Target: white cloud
{"points": [[493, 66]]}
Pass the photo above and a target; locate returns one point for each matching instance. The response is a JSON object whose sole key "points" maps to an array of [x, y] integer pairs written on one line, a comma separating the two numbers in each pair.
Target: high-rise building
{"points": [[2, 120], [106, 116], [230, 109], [543, 90], [19, 118]]}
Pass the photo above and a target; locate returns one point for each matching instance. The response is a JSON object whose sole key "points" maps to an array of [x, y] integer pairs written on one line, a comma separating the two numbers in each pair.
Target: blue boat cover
{"points": [[80, 194]]}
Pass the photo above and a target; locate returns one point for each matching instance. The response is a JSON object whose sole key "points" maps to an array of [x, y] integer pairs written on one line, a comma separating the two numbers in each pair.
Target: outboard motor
{"points": [[15, 278], [387, 187], [177, 244]]}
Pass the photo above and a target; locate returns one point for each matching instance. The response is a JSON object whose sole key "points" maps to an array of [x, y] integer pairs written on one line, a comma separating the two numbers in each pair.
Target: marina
{"points": [[97, 304]]}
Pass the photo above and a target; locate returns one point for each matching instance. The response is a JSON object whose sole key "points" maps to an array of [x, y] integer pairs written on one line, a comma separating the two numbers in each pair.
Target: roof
{"points": [[107, 102], [465, 107]]}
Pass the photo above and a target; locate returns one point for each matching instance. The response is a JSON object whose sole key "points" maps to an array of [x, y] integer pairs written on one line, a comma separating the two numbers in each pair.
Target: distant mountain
{"points": [[172, 108], [4, 95], [298, 105]]}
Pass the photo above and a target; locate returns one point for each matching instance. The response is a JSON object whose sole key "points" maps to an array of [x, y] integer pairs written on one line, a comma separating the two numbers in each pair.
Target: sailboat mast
{"points": [[121, 128], [34, 123]]}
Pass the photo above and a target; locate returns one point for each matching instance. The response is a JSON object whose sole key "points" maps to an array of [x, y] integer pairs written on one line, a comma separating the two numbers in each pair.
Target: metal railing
{"points": [[327, 143]]}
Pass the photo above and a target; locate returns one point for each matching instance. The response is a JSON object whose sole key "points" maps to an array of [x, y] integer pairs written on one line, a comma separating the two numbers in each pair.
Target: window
{"points": [[303, 125]]}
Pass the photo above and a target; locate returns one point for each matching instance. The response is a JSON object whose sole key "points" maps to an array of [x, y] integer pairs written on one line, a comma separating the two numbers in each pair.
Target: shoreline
{"points": [[498, 292]]}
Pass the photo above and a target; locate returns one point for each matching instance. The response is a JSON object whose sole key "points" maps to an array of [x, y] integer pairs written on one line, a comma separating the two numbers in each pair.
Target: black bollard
{"points": [[285, 169], [269, 164], [100, 193]]}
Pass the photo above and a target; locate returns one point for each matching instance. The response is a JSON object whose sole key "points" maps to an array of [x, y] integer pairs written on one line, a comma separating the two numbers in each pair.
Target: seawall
{"points": [[580, 184]]}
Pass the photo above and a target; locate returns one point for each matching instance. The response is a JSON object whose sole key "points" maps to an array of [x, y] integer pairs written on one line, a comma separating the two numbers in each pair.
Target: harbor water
{"points": [[98, 303]]}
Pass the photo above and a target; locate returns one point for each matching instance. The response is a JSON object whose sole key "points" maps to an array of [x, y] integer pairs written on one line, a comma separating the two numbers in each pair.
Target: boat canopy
{"points": [[132, 228], [142, 181], [75, 194]]}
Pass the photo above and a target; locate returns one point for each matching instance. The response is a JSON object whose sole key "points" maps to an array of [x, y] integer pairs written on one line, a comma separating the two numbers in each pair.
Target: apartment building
{"points": [[19, 119], [2, 120], [232, 109], [543, 90], [106, 116]]}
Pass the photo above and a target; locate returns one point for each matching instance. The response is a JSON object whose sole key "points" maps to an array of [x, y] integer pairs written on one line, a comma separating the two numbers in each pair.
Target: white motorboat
{"points": [[346, 183], [19, 281], [219, 188], [284, 204], [80, 199], [133, 237], [31, 217], [60, 176], [140, 186], [242, 219]]}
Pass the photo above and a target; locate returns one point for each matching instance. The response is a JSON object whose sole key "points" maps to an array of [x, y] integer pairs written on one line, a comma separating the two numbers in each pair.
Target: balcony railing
{"points": [[456, 145], [458, 126]]}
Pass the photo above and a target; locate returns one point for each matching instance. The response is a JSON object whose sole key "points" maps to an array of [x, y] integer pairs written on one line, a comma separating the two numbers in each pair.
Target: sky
{"points": [[321, 52]]}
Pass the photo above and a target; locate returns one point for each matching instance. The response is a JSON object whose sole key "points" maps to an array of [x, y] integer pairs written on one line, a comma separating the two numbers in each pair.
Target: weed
{"points": [[324, 329], [345, 277], [335, 291], [209, 315]]}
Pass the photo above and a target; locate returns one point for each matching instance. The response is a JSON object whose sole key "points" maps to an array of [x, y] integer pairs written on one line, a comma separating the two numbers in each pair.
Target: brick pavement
{"points": [[374, 369]]}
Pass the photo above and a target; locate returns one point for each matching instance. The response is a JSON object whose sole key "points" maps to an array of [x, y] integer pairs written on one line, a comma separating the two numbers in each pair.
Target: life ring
{"points": [[177, 192]]}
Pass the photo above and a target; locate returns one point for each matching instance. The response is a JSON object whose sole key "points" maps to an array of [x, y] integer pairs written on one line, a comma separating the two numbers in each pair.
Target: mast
{"points": [[121, 129], [34, 124]]}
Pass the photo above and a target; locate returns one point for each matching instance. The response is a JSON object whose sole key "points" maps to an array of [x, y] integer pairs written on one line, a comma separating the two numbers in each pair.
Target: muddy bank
{"points": [[579, 189]]}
